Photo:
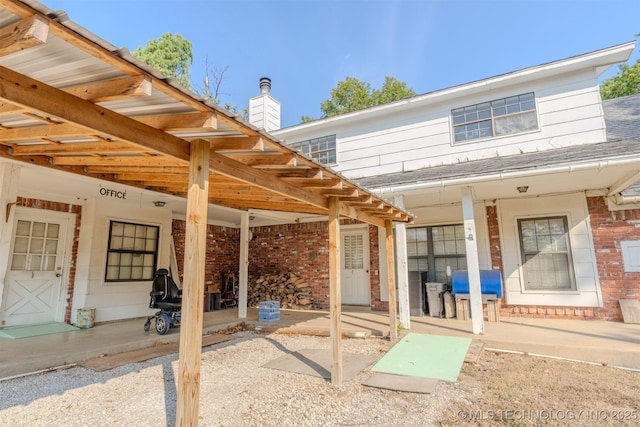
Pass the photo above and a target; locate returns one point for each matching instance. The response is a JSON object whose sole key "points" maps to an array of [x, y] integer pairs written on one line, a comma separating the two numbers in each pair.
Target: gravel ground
{"points": [[236, 390]]}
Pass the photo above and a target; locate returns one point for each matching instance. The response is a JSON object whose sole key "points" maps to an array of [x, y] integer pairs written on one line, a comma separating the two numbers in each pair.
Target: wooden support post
{"points": [[193, 286], [473, 265], [391, 280], [335, 300], [243, 267]]}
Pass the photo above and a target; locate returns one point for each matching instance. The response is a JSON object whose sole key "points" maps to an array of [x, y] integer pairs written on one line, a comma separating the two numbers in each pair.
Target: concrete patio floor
{"points": [[608, 343]]}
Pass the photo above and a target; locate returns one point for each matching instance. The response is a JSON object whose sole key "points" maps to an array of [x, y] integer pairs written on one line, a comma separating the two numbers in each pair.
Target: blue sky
{"points": [[307, 46]]}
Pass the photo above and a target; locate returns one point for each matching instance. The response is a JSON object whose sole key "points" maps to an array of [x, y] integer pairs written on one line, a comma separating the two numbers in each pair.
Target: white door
{"points": [[355, 267], [33, 291]]}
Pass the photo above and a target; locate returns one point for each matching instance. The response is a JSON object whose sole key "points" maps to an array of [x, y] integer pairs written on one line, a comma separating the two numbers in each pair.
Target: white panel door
{"points": [[33, 291], [355, 267]]}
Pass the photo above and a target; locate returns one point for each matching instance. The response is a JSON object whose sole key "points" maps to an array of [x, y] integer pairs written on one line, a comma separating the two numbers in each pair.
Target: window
{"points": [[431, 249], [544, 245], [322, 150], [495, 118], [353, 252], [132, 252], [35, 246]]}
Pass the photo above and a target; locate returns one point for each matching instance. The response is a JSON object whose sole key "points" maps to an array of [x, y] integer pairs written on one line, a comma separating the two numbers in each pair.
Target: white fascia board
{"points": [[598, 61]]}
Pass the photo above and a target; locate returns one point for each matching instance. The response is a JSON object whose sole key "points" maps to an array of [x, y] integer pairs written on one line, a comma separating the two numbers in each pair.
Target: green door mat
{"points": [[15, 332], [427, 356]]}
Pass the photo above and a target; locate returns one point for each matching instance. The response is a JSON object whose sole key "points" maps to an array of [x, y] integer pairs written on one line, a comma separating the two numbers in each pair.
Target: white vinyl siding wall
{"points": [[568, 108]]}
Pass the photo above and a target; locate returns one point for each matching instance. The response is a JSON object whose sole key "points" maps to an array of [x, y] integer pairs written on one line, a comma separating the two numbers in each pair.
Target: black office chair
{"points": [[166, 297]]}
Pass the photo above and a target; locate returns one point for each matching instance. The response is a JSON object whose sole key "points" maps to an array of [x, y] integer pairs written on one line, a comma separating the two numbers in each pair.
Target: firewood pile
{"points": [[290, 290]]}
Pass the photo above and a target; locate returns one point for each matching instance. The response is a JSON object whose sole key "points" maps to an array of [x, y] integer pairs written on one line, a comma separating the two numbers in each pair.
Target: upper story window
{"points": [[494, 118], [322, 149]]}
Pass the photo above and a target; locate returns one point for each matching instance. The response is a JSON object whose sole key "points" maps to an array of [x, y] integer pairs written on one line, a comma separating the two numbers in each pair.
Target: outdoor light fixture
{"points": [[159, 203], [523, 189]]}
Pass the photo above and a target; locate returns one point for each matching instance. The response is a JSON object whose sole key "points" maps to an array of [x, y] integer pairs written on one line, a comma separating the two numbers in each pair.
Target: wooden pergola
{"points": [[72, 102]]}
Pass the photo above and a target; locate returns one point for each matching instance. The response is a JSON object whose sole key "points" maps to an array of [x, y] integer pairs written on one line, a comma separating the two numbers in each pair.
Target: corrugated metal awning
{"points": [[73, 102]]}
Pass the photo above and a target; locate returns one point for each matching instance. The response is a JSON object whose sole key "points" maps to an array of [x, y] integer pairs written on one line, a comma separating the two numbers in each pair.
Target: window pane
{"points": [[37, 245], [51, 246], [23, 228], [35, 263], [136, 273], [19, 262], [49, 263], [423, 248], [21, 245], [516, 123], [38, 229], [53, 230]]}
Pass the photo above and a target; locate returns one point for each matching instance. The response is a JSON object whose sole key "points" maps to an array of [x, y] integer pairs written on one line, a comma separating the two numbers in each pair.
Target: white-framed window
{"points": [[132, 252], [545, 254], [495, 118], [631, 255], [322, 149]]}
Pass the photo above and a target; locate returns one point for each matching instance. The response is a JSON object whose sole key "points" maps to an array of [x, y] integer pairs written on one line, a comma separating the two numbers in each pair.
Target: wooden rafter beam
{"points": [[149, 178], [242, 172], [32, 94], [79, 148], [312, 173], [126, 161], [182, 122], [144, 168], [249, 143], [315, 183], [265, 160], [24, 34], [49, 131], [113, 90]]}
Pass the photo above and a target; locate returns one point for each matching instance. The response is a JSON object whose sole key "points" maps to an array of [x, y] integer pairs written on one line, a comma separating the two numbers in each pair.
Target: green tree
{"points": [[626, 82], [170, 54], [352, 94], [392, 90]]}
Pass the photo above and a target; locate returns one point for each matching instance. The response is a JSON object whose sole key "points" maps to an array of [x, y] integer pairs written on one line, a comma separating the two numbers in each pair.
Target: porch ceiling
{"points": [[72, 102]]}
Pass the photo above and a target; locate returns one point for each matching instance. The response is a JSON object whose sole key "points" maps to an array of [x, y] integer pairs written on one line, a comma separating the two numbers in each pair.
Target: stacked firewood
{"points": [[290, 290]]}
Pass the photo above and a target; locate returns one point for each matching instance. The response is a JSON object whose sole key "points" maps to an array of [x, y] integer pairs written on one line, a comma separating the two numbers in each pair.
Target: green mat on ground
{"points": [[426, 356], [15, 332]]}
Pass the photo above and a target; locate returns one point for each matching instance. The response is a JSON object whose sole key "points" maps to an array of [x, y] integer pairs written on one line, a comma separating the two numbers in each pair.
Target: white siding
{"points": [[115, 300], [569, 113]]}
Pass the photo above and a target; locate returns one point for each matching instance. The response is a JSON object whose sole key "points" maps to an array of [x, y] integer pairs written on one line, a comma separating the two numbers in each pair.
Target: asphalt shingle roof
{"points": [[622, 117]]}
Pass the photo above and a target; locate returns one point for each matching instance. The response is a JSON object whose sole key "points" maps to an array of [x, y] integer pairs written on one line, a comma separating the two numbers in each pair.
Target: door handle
{"points": [[58, 274]]}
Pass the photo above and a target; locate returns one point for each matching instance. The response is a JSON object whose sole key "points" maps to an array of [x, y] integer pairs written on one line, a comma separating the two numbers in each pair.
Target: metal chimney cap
{"points": [[265, 85]]}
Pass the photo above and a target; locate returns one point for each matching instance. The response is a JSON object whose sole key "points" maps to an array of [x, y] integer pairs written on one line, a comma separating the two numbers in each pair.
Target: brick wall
{"points": [[609, 229], [66, 208], [303, 249], [223, 251]]}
